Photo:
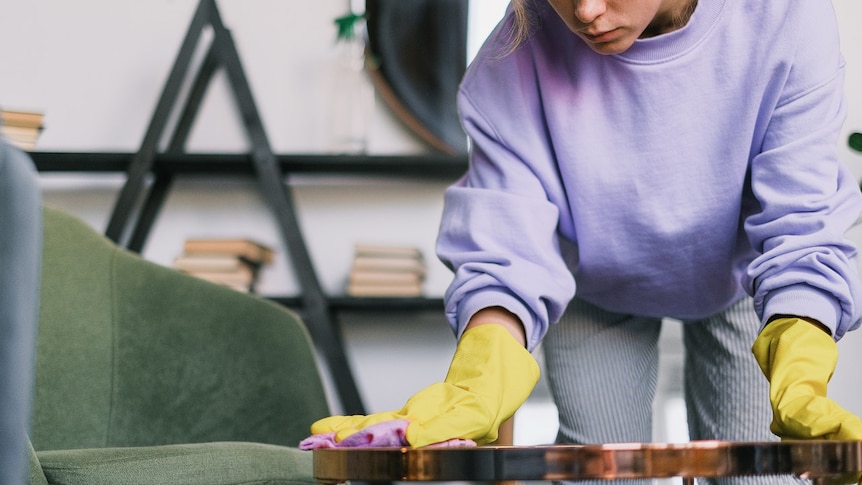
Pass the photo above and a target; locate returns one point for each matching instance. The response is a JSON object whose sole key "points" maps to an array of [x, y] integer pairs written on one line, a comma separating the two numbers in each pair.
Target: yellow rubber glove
{"points": [[490, 377], [798, 359]]}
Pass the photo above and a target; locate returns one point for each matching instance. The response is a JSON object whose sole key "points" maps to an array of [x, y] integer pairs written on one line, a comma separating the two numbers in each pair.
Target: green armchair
{"points": [[147, 375]]}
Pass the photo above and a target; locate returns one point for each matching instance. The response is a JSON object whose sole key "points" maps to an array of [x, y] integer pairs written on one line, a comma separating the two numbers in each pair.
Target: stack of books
{"points": [[21, 128], [235, 263], [386, 271]]}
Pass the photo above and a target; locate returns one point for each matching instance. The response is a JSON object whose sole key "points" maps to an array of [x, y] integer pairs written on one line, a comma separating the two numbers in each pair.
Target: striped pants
{"points": [[602, 370]]}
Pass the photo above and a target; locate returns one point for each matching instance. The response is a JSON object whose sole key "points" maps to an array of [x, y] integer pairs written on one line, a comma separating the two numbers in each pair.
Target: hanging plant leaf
{"points": [[855, 141], [346, 25]]}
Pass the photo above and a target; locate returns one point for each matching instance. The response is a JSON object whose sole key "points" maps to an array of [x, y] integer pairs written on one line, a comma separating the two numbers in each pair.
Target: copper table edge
{"points": [[814, 459]]}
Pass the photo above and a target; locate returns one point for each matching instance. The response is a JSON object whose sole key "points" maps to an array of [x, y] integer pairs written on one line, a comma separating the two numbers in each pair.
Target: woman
{"points": [[633, 160]]}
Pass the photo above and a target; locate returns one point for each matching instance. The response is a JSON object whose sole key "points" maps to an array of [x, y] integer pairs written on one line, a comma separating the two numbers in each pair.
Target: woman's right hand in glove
{"points": [[490, 377]]}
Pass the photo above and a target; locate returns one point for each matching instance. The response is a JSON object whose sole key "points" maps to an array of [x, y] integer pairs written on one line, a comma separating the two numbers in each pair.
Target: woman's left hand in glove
{"points": [[798, 358]]}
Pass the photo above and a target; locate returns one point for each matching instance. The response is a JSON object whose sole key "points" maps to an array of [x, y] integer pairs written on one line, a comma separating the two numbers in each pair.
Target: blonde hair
{"points": [[523, 24]]}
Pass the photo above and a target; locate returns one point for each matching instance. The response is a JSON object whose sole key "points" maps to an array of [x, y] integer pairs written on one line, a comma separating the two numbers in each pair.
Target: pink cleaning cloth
{"points": [[385, 434]]}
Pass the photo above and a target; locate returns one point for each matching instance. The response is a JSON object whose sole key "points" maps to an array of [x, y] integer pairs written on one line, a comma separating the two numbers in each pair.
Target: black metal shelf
{"points": [[426, 167], [150, 171], [369, 304]]}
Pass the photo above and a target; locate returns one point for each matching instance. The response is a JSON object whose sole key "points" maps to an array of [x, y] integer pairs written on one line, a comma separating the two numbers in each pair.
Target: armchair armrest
{"points": [[218, 463]]}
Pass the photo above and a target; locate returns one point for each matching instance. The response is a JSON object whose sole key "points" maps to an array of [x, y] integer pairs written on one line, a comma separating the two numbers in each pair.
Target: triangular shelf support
{"points": [[130, 230]]}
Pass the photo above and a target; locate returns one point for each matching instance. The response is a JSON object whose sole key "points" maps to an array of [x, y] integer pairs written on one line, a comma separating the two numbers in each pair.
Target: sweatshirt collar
{"points": [[669, 46]]}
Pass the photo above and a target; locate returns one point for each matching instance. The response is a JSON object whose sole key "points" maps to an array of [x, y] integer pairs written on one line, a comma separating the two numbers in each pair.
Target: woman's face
{"points": [[612, 26]]}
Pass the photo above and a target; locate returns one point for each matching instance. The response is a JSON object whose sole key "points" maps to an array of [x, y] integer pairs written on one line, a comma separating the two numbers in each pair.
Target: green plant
{"points": [[855, 141]]}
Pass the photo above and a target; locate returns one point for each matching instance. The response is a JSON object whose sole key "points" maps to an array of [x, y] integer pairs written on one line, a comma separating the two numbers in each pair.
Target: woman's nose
{"points": [[589, 10]]}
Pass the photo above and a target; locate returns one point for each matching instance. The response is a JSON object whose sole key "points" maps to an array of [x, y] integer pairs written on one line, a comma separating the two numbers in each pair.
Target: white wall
{"points": [[846, 386], [96, 68]]}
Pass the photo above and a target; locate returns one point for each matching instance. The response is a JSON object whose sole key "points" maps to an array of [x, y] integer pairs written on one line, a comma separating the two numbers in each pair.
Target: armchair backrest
{"points": [[131, 353]]}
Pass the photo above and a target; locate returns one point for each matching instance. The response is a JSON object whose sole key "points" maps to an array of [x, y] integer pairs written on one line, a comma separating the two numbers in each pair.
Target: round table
{"points": [[816, 460]]}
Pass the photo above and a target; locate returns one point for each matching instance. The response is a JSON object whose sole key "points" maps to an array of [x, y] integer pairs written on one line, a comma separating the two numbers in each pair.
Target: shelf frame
{"points": [[150, 171], [221, 53]]}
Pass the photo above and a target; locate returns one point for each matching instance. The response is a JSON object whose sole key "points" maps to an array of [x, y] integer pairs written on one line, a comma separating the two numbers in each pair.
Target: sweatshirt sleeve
{"points": [[808, 199], [499, 235]]}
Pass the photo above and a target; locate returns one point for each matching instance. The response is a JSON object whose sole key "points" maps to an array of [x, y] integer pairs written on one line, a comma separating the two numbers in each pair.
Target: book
{"points": [[243, 279], [233, 262], [24, 141], [380, 270], [232, 278], [22, 132], [21, 128], [384, 290], [211, 262], [247, 249], [29, 119], [379, 263], [392, 251], [385, 278]]}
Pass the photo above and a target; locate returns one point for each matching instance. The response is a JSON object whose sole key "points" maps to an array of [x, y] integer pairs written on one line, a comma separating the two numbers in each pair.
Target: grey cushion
{"points": [[20, 247]]}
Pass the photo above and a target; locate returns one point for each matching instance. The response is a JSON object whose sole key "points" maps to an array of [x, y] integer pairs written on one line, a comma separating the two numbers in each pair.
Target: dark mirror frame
{"points": [[418, 54]]}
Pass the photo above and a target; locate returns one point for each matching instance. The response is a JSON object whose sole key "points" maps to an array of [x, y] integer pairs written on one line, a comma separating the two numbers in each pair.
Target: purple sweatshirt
{"points": [[666, 181]]}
